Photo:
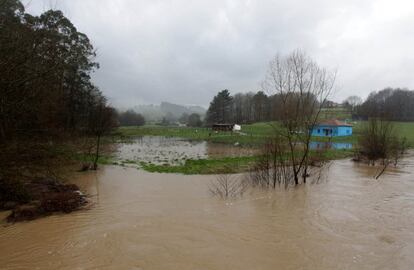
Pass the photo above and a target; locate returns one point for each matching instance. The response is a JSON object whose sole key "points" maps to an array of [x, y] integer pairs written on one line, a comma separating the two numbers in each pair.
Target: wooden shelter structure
{"points": [[223, 127]]}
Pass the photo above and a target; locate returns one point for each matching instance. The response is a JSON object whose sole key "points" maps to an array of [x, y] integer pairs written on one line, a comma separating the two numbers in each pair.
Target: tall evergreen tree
{"points": [[220, 110]]}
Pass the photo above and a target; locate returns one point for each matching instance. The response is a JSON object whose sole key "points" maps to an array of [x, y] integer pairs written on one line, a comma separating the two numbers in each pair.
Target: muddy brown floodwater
{"points": [[141, 220]]}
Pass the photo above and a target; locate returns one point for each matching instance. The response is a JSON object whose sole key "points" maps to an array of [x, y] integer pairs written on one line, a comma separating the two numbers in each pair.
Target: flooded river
{"points": [[141, 220]]}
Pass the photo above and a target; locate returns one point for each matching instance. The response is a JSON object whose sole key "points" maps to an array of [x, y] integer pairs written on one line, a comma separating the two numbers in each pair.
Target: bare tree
{"points": [[103, 123], [302, 87], [352, 102], [274, 169]]}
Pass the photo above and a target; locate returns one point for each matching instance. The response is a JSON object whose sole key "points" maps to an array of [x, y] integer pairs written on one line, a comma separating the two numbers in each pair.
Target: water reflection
{"points": [[330, 145]]}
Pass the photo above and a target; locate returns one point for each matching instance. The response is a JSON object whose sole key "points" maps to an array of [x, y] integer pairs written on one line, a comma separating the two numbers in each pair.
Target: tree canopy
{"points": [[46, 93], [220, 108], [46, 67], [130, 118], [394, 104]]}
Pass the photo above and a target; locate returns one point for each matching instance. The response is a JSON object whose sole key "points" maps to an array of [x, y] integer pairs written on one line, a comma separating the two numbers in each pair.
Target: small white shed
{"points": [[236, 127]]}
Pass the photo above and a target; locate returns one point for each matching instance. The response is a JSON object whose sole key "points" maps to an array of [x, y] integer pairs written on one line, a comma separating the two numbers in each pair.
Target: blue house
{"points": [[332, 128]]}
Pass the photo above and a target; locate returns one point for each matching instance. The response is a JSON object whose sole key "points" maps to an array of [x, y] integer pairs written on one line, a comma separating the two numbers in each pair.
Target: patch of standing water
{"points": [[175, 151]]}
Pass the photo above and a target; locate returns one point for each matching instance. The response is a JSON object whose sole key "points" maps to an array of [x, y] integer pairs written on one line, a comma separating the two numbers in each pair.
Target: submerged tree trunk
{"points": [[98, 144], [296, 178], [382, 171]]}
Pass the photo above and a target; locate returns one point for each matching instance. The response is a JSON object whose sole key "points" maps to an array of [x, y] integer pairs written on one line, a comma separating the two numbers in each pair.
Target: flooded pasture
{"points": [[174, 151], [142, 220]]}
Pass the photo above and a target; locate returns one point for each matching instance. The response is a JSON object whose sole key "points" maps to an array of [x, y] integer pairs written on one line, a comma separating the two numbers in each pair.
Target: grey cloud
{"points": [[186, 51]]}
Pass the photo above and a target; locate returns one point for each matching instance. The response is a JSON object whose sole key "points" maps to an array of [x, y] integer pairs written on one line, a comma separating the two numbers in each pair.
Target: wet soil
{"points": [[48, 196]]}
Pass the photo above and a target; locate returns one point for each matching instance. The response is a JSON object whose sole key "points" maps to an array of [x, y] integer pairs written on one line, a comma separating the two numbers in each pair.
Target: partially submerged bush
{"points": [[379, 142], [274, 167]]}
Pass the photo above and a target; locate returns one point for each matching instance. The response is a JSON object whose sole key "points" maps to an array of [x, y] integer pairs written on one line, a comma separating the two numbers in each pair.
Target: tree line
{"points": [[242, 108], [47, 97], [393, 104], [246, 108]]}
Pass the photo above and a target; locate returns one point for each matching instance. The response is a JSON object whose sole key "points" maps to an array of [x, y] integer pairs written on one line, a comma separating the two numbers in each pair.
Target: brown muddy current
{"points": [[141, 220]]}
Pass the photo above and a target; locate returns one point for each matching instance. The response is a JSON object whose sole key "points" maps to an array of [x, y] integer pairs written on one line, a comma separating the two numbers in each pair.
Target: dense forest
{"points": [[241, 108], [47, 99]]}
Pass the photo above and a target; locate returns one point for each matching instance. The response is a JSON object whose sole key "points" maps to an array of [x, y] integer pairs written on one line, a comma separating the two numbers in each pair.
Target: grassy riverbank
{"points": [[205, 166], [225, 165]]}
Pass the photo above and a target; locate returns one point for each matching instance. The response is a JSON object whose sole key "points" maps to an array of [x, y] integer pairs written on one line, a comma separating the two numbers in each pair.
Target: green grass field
{"points": [[252, 135], [226, 164], [335, 113]]}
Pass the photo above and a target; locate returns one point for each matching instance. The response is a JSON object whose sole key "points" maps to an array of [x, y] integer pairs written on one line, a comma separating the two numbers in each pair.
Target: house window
{"points": [[348, 131], [319, 131]]}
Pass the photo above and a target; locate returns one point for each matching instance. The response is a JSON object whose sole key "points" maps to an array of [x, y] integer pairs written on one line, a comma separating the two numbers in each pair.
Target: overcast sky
{"points": [[185, 51]]}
